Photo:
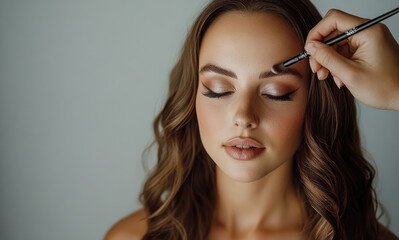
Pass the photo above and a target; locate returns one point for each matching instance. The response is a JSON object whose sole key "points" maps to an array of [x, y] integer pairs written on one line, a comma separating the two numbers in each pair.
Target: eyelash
{"points": [[285, 97]]}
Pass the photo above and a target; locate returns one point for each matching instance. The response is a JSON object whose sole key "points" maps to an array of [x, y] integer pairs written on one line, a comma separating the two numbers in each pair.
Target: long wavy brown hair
{"points": [[332, 175]]}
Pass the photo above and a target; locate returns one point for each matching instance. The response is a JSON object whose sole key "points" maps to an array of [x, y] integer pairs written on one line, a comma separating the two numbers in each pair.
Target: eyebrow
{"points": [[267, 74]]}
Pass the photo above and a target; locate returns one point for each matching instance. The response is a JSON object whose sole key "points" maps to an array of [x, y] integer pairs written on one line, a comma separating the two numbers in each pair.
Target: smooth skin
{"points": [[247, 206], [367, 64], [256, 198]]}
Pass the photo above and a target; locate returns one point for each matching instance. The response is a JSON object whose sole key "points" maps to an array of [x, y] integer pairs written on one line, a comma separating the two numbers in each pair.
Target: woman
{"points": [[246, 154]]}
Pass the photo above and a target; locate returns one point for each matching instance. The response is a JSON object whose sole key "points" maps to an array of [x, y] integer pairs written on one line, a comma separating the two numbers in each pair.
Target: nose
{"points": [[245, 116]]}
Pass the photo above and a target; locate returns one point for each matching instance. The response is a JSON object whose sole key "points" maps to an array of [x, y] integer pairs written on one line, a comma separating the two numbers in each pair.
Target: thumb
{"points": [[329, 58]]}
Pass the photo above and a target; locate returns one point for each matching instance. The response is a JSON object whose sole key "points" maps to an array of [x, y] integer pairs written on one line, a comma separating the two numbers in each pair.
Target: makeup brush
{"points": [[281, 66]]}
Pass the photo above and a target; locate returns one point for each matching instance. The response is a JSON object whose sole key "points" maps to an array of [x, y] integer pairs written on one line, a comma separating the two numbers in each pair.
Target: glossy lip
{"points": [[243, 142], [243, 154]]}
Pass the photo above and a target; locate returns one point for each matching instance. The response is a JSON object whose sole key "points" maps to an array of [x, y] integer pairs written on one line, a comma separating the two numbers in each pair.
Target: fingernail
{"points": [[318, 75], [310, 48], [337, 82]]}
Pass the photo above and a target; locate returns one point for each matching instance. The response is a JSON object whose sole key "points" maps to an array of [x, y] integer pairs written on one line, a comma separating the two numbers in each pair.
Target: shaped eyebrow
{"points": [[266, 74]]}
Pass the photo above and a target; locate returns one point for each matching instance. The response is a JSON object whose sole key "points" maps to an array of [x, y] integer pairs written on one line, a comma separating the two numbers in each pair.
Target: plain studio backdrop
{"points": [[80, 84]]}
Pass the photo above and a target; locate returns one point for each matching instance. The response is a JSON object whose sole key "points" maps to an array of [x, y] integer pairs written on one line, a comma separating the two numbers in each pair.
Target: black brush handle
{"points": [[344, 35], [361, 27]]}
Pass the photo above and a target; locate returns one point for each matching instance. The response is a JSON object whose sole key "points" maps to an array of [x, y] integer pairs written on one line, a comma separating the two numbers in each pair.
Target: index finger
{"points": [[335, 20]]}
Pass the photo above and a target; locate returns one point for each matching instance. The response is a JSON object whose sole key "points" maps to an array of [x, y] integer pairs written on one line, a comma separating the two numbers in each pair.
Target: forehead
{"points": [[252, 40]]}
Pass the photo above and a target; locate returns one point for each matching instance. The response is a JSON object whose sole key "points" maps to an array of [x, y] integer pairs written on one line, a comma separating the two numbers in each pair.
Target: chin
{"points": [[244, 174], [252, 170]]}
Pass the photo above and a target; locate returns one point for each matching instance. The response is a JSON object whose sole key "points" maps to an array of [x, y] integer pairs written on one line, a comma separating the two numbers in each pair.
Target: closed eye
{"points": [[212, 94], [285, 97]]}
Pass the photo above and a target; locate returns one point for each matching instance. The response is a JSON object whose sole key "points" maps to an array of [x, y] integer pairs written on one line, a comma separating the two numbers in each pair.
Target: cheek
{"points": [[210, 117], [285, 128]]}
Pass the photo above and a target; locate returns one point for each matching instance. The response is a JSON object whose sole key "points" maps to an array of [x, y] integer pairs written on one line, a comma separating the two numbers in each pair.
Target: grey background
{"points": [[80, 83]]}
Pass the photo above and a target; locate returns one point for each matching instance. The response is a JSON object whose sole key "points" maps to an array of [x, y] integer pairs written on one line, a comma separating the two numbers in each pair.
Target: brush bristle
{"points": [[278, 68]]}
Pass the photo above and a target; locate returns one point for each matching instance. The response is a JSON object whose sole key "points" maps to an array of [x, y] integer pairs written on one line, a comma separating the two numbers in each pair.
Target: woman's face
{"points": [[250, 120]]}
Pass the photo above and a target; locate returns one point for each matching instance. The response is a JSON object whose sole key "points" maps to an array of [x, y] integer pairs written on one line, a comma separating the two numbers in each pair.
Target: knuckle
{"points": [[333, 12], [381, 28], [329, 12], [378, 33]]}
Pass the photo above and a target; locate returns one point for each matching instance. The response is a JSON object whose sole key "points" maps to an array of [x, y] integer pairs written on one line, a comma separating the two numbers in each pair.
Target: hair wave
{"points": [[334, 178]]}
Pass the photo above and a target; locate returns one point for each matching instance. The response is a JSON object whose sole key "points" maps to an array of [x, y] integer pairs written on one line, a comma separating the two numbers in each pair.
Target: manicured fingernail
{"points": [[319, 75], [337, 82], [310, 48]]}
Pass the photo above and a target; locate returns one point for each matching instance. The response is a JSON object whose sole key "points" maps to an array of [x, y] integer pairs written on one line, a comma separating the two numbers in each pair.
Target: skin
{"points": [[256, 198], [368, 55]]}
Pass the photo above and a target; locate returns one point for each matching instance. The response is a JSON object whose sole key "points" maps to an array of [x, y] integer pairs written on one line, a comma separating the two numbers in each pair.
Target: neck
{"points": [[268, 203]]}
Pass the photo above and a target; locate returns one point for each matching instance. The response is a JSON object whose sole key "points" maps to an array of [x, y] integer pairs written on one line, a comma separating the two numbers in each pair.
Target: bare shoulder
{"points": [[386, 234], [131, 227]]}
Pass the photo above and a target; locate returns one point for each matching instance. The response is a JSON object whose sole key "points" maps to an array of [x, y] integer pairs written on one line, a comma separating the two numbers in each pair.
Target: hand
{"points": [[367, 63]]}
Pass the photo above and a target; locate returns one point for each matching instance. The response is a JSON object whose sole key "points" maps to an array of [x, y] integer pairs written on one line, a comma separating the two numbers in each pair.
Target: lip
{"points": [[246, 153]]}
